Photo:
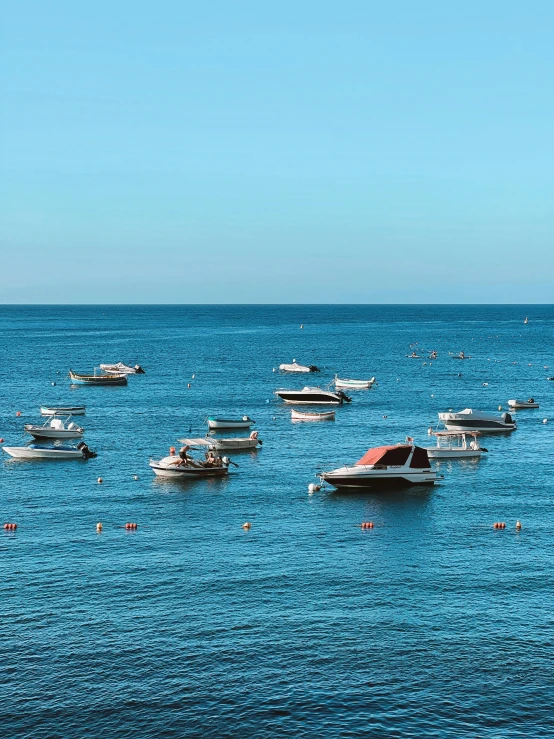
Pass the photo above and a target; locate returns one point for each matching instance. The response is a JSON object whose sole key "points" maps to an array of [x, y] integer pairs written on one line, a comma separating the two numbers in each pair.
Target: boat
{"points": [[228, 444], [55, 428], [66, 410], [100, 379], [295, 367], [454, 445], [383, 468], [413, 355], [526, 320], [433, 355], [523, 403], [470, 420], [229, 423], [461, 355], [122, 369], [185, 467], [354, 384], [311, 415], [313, 396], [41, 451]]}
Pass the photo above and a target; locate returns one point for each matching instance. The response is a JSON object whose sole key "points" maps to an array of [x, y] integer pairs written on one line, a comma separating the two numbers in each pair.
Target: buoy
{"points": [[499, 407], [485, 384], [246, 525], [10, 526], [131, 526], [367, 524], [18, 413], [1, 441], [135, 477], [194, 376], [545, 420], [432, 395], [499, 525], [518, 525], [98, 527], [188, 384], [100, 481], [53, 384], [313, 488], [301, 325], [171, 451], [385, 416]]}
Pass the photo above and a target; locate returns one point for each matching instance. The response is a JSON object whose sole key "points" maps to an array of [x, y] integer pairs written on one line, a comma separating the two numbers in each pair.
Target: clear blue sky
{"points": [[277, 152]]}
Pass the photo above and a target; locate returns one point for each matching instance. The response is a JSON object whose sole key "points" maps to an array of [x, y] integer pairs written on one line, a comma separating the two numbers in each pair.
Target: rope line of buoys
{"points": [[367, 524], [499, 525], [131, 526], [10, 526]]}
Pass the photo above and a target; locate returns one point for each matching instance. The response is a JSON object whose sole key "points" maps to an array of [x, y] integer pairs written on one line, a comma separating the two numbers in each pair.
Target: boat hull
{"points": [[187, 473], [377, 481], [354, 384], [221, 423], [77, 410], [222, 445], [39, 432], [97, 379], [299, 416], [485, 427], [434, 453], [517, 404], [299, 398], [29, 453]]}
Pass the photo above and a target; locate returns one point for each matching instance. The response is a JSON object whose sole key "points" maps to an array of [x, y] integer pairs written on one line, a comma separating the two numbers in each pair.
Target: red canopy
{"points": [[397, 454]]}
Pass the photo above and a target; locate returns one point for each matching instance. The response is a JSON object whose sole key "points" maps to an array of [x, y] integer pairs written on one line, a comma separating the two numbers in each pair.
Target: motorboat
{"points": [[295, 367], [353, 384], [523, 403], [383, 468], [312, 415], [55, 428], [228, 444], [313, 396], [65, 410], [470, 420], [184, 467], [229, 423], [42, 451], [122, 369], [454, 445], [96, 379], [461, 355]]}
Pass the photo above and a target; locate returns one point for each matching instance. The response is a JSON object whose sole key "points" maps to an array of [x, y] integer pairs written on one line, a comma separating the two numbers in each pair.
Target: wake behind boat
{"points": [[313, 396], [384, 468], [96, 379], [470, 420]]}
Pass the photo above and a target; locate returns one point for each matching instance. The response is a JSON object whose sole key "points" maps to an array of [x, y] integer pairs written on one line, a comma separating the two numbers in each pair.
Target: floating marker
{"points": [[98, 528]]}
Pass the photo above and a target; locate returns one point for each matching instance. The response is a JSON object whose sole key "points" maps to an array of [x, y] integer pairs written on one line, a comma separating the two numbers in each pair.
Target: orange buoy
{"points": [[10, 526], [518, 525], [246, 525], [98, 527], [18, 413], [131, 526], [100, 481]]}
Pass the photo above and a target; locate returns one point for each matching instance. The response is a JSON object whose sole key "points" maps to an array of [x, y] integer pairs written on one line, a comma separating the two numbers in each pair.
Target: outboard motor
{"points": [[139, 370], [313, 368], [87, 453], [344, 396]]}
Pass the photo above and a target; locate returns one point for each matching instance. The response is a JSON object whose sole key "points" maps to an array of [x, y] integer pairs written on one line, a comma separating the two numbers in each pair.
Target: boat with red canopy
{"points": [[385, 467]]}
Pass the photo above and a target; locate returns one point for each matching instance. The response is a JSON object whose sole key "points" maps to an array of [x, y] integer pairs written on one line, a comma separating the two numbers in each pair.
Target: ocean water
{"points": [[432, 624]]}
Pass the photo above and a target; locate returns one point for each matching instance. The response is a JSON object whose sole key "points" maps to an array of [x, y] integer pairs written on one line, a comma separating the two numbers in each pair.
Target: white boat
{"points": [[526, 320], [228, 423], [313, 396], [41, 451], [413, 355], [122, 369], [55, 428], [312, 415], [523, 403], [65, 410], [185, 467], [228, 444], [295, 367], [461, 355], [454, 445], [470, 420], [354, 384], [385, 468]]}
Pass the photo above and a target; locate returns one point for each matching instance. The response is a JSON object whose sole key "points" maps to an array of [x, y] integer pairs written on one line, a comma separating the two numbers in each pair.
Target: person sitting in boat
{"points": [[184, 460]]}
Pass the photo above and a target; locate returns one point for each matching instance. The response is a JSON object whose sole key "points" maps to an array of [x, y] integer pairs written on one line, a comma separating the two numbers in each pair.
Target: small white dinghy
{"points": [[454, 445], [312, 416], [295, 367], [41, 451], [55, 428], [221, 445], [523, 403], [122, 369], [62, 410], [354, 384], [229, 423]]}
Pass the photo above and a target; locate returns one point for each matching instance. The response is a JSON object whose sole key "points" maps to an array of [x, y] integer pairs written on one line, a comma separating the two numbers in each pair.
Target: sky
{"points": [[291, 152]]}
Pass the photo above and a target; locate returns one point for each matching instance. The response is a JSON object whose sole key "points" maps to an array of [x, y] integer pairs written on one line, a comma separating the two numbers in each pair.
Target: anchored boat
{"points": [[470, 420], [312, 415], [354, 384], [523, 403], [454, 445], [313, 396], [122, 369], [65, 410], [55, 428], [41, 451], [100, 379], [229, 423], [183, 466], [383, 468], [295, 367], [228, 444]]}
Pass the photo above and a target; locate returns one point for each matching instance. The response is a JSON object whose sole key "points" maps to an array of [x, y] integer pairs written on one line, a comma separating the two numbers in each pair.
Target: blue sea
{"points": [[432, 624]]}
